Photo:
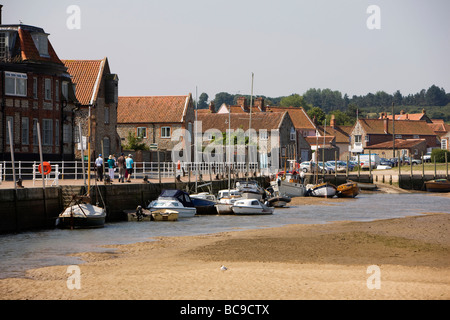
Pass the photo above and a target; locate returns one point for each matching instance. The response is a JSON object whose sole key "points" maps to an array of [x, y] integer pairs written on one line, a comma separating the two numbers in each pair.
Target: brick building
{"points": [[34, 88], [97, 93], [155, 119]]}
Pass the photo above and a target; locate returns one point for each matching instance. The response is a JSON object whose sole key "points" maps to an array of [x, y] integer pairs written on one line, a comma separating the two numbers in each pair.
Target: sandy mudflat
{"points": [[294, 262]]}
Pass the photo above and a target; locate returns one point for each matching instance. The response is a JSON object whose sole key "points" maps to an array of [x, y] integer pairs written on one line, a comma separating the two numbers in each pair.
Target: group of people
{"points": [[124, 164]]}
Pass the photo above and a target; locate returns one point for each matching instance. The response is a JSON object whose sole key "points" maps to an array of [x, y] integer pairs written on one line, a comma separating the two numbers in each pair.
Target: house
{"points": [[367, 132], [323, 147], [97, 92], [408, 116], [413, 148], [35, 87], [155, 119], [273, 131], [342, 137]]}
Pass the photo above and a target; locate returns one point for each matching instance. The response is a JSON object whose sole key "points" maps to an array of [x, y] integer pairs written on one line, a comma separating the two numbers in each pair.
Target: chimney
{"points": [[259, 103], [212, 108], [386, 125], [242, 102], [333, 121]]}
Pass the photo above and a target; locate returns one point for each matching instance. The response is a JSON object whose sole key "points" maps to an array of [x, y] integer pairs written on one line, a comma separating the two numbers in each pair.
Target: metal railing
{"points": [[28, 170]]}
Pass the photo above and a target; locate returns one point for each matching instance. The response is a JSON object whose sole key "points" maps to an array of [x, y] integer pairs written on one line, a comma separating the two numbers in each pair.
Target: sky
{"points": [[176, 47]]}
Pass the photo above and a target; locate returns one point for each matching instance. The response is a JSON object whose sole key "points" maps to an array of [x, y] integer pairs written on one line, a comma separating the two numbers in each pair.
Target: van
{"points": [[364, 160]]}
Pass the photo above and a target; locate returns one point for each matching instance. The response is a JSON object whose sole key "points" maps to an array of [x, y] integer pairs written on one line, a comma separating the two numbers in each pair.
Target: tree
{"points": [[294, 100], [435, 96], [203, 101], [316, 112], [223, 97], [134, 143]]}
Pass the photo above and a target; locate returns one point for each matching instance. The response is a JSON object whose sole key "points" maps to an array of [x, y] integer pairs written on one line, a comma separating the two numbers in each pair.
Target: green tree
{"points": [[435, 96], [294, 100], [223, 97], [316, 112], [134, 143], [203, 101]]}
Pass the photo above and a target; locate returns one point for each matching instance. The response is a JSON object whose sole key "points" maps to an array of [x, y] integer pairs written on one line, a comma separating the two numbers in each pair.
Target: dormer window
{"points": [[41, 43]]}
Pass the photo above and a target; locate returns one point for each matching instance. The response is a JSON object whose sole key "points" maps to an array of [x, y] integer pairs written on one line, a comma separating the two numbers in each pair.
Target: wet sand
{"points": [[295, 262]]}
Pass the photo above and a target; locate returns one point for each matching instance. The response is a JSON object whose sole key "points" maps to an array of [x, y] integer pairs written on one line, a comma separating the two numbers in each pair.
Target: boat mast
{"points": [[195, 137], [249, 129]]}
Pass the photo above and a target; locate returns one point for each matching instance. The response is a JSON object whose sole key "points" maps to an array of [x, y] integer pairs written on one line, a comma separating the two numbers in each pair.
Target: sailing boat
{"points": [[81, 213]]}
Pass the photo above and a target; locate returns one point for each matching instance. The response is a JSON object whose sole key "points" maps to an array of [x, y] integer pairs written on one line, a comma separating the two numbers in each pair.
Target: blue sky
{"points": [[172, 47]]}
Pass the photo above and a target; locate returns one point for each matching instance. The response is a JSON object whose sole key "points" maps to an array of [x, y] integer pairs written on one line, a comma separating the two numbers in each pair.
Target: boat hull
{"points": [[438, 186], [324, 190], [290, 189], [80, 216], [251, 211], [224, 208], [182, 212], [348, 190], [204, 206], [279, 202], [164, 215]]}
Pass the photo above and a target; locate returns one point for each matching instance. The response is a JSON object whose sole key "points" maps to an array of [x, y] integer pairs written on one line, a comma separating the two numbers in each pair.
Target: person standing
{"points": [[99, 165], [121, 165], [129, 163], [111, 166]]}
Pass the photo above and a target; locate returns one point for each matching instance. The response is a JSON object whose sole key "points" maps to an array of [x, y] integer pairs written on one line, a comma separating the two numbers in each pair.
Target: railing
{"points": [[28, 170]]}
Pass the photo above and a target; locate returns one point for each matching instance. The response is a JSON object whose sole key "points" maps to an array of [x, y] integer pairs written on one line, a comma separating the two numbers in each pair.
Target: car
{"points": [[307, 166], [386, 162], [341, 166], [426, 157], [408, 160], [325, 168]]}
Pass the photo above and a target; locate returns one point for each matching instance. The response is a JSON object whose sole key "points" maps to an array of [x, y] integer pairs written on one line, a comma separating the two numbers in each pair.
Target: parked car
{"points": [[408, 160], [341, 165], [307, 166], [325, 168], [427, 157], [386, 162]]}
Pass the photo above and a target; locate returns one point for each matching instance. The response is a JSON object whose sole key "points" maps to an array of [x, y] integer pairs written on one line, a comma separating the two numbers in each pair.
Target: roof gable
{"points": [[299, 117], [260, 120], [410, 127]]}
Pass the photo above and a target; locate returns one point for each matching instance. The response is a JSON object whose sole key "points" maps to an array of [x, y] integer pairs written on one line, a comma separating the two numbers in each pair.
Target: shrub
{"points": [[439, 155]]}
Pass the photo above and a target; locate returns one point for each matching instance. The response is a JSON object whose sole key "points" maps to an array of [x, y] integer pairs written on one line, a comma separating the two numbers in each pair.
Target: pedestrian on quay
{"points": [[122, 167], [99, 165], [111, 166], [129, 163]]}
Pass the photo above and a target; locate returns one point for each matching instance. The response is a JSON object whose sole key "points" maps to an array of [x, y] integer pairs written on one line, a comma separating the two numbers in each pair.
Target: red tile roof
{"points": [[260, 120], [28, 49], [399, 144], [86, 74], [411, 127], [298, 115], [154, 109]]}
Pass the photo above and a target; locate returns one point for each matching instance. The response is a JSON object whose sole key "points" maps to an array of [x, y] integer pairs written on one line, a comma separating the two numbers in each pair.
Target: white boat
{"points": [[176, 200], [225, 201], [82, 215], [204, 195], [324, 189], [251, 207], [250, 189], [288, 184]]}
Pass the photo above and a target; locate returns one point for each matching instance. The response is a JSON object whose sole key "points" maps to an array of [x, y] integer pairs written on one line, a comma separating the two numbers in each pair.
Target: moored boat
{"points": [[438, 185], [165, 215], [324, 189], [278, 201], [81, 214], [347, 190], [288, 184], [250, 190], [251, 207], [176, 200]]}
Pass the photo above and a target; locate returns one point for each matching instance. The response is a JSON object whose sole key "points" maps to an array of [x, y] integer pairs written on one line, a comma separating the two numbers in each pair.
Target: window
{"points": [[107, 117], [35, 88], [35, 134], [16, 84], [65, 90], [106, 146], [47, 132], [263, 135], [25, 130], [292, 133], [165, 132], [416, 136], [57, 132], [358, 138], [366, 138], [48, 89], [57, 90], [41, 43], [9, 120], [398, 136], [67, 133], [3, 45], [142, 132], [444, 144]]}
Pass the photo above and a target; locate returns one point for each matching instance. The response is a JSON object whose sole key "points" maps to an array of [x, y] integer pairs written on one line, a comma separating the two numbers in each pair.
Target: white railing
{"points": [[61, 170]]}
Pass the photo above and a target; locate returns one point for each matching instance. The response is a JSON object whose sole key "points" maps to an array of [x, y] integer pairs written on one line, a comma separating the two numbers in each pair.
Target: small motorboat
{"points": [[165, 215], [226, 199], [251, 207], [289, 184], [81, 214], [176, 200], [278, 201], [347, 190], [438, 185], [204, 202], [250, 189], [324, 189]]}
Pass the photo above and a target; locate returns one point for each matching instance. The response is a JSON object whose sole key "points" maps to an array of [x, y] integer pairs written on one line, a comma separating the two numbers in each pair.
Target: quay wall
{"points": [[32, 208]]}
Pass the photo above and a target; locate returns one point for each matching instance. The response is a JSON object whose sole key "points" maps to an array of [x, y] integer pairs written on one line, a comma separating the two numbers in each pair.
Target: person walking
{"points": [[111, 166], [122, 168], [99, 165], [129, 163]]}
